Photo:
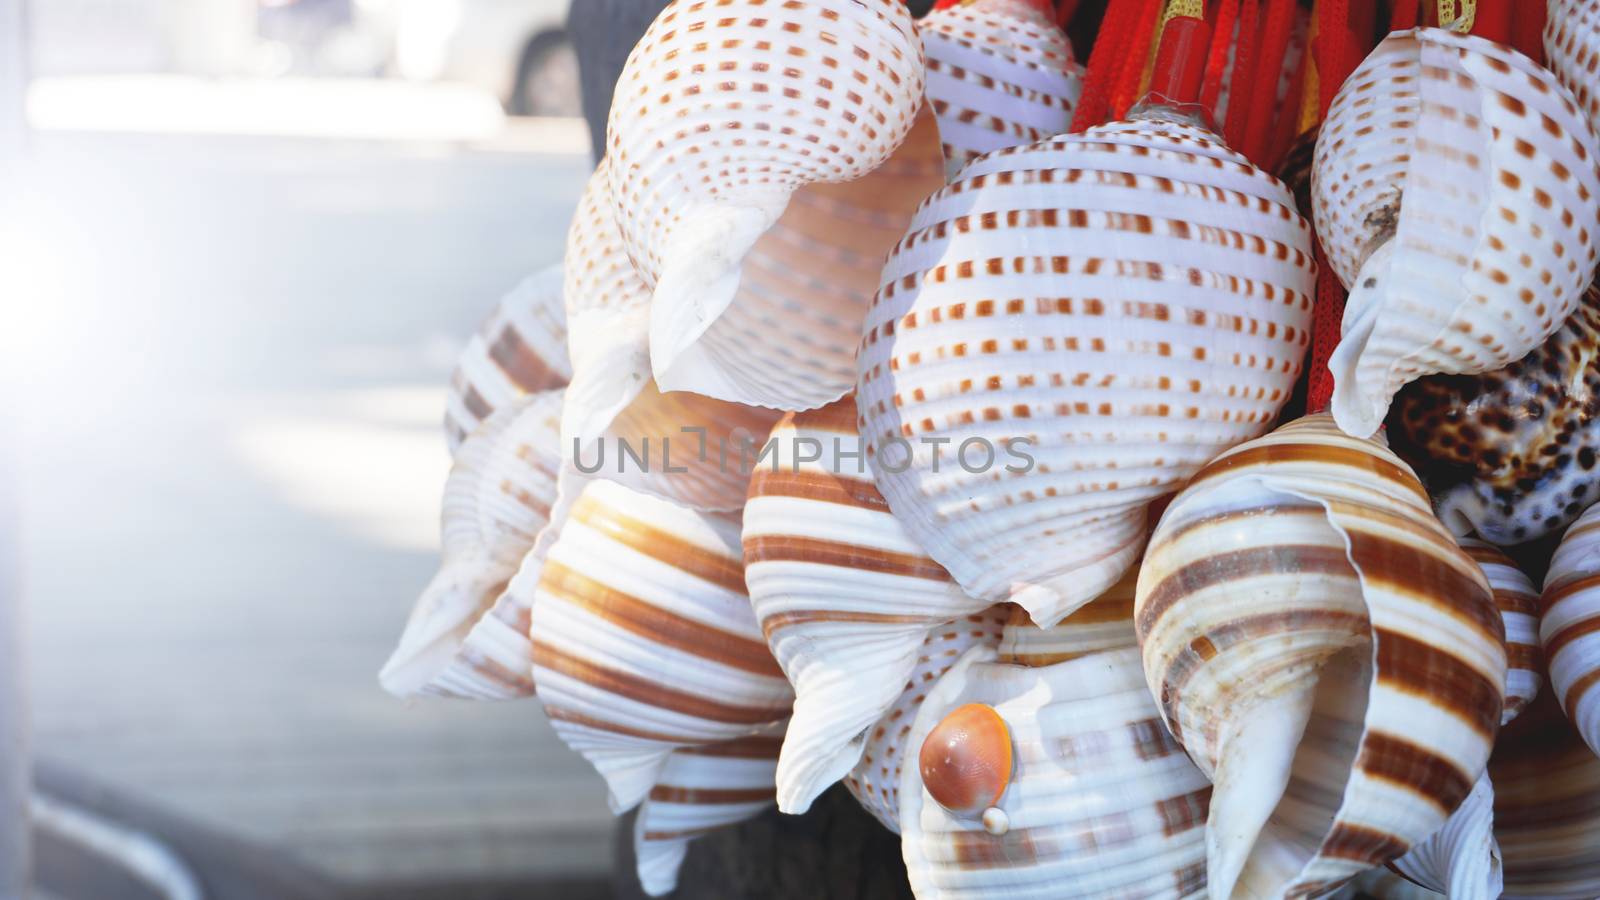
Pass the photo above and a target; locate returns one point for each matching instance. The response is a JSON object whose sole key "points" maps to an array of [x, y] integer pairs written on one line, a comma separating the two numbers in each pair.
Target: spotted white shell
{"points": [[1000, 73], [520, 349], [1324, 651], [1572, 49], [643, 637], [724, 109], [845, 597], [1569, 628], [1102, 801], [788, 340], [616, 423], [699, 790], [875, 781], [1084, 322], [1456, 193]]}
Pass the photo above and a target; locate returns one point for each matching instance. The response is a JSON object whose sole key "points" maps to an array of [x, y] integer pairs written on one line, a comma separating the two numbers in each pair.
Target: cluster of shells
{"points": [[876, 429]]}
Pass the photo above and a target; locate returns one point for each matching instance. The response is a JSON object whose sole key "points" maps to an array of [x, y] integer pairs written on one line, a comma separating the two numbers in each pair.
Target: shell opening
{"points": [[1357, 413]]}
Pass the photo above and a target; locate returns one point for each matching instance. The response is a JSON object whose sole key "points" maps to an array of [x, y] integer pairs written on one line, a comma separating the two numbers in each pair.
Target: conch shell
{"points": [[643, 637], [1569, 627], [1069, 331], [845, 597], [1099, 802], [520, 349], [1511, 454], [700, 789], [467, 636], [1572, 49], [1324, 651], [722, 112], [1456, 193], [616, 423], [1000, 73], [875, 781]]}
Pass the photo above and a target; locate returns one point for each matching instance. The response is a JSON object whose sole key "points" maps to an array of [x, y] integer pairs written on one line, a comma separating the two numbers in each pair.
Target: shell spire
{"points": [[1324, 651], [1569, 628], [1456, 193]]}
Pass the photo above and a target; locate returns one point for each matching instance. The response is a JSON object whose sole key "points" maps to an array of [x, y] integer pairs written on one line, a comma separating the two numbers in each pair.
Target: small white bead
{"points": [[995, 821]]}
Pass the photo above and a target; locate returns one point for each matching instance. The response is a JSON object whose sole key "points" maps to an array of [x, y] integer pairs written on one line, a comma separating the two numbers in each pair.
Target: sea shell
{"points": [[699, 790], [1382, 884], [1456, 194], [1000, 73], [1572, 49], [467, 636], [1324, 651], [1461, 860], [788, 340], [846, 599], [1511, 454], [1569, 627], [875, 781], [643, 637], [1547, 786], [520, 349], [616, 423], [1518, 600], [1084, 322], [1102, 802], [724, 110]]}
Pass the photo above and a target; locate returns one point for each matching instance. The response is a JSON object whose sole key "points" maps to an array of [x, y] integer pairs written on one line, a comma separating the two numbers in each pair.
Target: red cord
{"points": [[1064, 11], [1216, 65], [1135, 53], [1334, 63], [1269, 69], [1104, 64], [1493, 20], [1244, 69], [1404, 15], [1527, 31], [1288, 127]]}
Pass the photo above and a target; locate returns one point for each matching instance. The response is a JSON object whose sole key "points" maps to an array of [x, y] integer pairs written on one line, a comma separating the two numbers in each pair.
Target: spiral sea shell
{"points": [[724, 110], [1324, 651], [875, 781], [616, 423], [1518, 601], [1569, 628], [643, 637], [1100, 802], [1083, 322], [1456, 193], [788, 340], [1000, 73], [1547, 788], [467, 636], [1572, 49], [846, 598], [520, 349], [1511, 454]]}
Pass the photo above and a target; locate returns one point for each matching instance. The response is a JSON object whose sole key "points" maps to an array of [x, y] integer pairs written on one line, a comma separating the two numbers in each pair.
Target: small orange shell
{"points": [[966, 760]]}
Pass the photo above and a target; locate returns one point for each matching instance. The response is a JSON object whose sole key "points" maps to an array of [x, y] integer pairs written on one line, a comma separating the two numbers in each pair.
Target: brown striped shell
{"points": [[1324, 651], [1102, 802], [678, 441], [724, 109], [845, 597], [1000, 73], [643, 637], [1572, 50], [467, 636], [1518, 601], [1569, 627], [520, 349], [1457, 195], [1083, 323], [1511, 454]]}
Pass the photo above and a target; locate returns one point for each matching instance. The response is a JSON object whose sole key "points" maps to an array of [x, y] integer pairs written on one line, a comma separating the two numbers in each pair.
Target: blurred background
{"points": [[242, 242]]}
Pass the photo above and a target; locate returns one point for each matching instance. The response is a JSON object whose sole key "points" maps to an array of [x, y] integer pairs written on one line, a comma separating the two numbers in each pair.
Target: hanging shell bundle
{"points": [[1325, 652], [1511, 454], [1050, 781], [1569, 628], [643, 637], [845, 597], [822, 91], [1456, 194], [1572, 50], [1069, 331], [520, 349], [616, 423], [467, 636], [875, 781], [1000, 73]]}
